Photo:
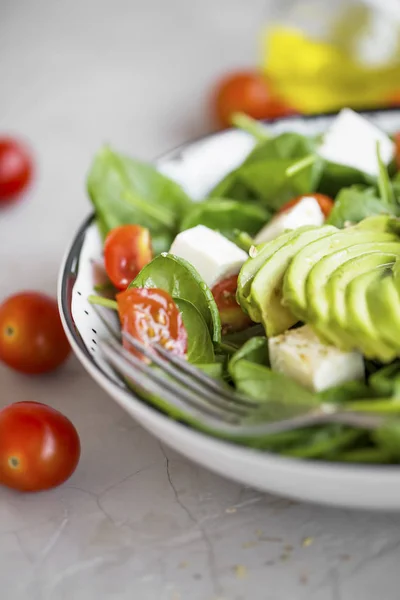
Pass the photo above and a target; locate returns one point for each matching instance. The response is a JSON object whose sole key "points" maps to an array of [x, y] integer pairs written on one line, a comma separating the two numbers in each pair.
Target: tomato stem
{"points": [[100, 301], [300, 165]]}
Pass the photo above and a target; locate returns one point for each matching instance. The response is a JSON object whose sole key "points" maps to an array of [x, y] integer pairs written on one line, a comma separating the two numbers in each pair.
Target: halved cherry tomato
{"points": [[397, 142], [39, 447], [151, 316], [127, 250], [248, 92], [232, 316], [325, 203], [32, 338], [16, 169]]}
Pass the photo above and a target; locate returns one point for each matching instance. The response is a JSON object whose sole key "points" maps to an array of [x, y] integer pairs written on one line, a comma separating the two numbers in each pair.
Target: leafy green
{"points": [[386, 381], [236, 339], [384, 184], [263, 175], [251, 126], [179, 278], [124, 190], [355, 203], [200, 347], [254, 350], [335, 177], [351, 390], [227, 216]]}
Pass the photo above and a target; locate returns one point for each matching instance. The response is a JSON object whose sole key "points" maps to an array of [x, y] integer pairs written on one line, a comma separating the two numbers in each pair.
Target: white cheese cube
{"points": [[305, 212], [212, 254], [351, 141], [300, 355]]}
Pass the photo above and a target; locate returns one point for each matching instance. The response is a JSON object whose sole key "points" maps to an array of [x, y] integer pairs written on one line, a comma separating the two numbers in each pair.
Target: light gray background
{"points": [[137, 521]]}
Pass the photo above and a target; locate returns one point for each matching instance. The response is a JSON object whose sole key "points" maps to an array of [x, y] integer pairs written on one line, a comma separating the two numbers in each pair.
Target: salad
{"points": [[283, 283]]}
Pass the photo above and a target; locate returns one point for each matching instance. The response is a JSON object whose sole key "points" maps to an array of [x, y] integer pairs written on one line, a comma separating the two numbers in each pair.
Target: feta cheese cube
{"points": [[213, 255], [306, 212], [300, 355], [351, 141]]}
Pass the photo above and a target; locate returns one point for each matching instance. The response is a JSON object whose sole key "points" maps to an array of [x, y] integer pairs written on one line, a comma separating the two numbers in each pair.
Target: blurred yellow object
{"points": [[316, 75]]}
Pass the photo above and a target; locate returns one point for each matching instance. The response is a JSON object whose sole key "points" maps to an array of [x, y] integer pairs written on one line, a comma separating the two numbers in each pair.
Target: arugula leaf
{"points": [[124, 190], [227, 216], [179, 278], [200, 347], [357, 202]]}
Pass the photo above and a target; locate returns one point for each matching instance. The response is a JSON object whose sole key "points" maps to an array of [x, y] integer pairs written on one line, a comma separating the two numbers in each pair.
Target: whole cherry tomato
{"points": [[16, 169], [32, 339], [39, 447], [232, 316], [127, 250], [325, 203], [250, 93], [151, 316]]}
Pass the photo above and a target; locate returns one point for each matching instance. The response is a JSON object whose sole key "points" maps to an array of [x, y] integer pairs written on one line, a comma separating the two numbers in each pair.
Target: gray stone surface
{"points": [[136, 521]]}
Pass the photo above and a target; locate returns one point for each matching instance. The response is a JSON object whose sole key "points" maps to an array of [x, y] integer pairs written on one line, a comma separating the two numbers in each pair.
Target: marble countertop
{"points": [[137, 521]]}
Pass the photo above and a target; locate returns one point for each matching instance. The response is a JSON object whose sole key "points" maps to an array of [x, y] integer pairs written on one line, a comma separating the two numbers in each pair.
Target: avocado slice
{"points": [[295, 294], [319, 302], [254, 263], [384, 305], [266, 289], [360, 320]]}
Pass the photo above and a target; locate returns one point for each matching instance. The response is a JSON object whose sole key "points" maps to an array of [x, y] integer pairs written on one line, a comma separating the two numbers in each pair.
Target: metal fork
{"points": [[212, 404]]}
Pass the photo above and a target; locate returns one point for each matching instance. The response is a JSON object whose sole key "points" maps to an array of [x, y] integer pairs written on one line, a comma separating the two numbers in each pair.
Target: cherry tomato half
{"points": [[325, 203], [232, 316], [39, 447], [151, 316], [397, 143], [250, 93], [127, 250], [32, 339], [16, 169]]}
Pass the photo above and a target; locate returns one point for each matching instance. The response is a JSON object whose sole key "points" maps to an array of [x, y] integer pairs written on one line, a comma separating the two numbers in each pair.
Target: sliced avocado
{"points": [[266, 289], [360, 321], [338, 319], [384, 305], [255, 262], [294, 286], [319, 301]]}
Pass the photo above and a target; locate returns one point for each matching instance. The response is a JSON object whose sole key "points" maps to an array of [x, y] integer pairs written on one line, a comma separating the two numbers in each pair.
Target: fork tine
{"points": [[131, 365], [189, 376]]}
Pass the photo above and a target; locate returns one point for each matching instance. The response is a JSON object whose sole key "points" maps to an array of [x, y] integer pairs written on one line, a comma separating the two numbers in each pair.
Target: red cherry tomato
{"points": [[127, 250], [325, 203], [32, 339], [39, 447], [232, 316], [250, 93], [397, 143], [151, 316], [16, 169]]}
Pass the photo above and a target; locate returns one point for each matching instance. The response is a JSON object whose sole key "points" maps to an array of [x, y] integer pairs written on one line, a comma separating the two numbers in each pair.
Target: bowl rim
{"points": [[67, 276]]}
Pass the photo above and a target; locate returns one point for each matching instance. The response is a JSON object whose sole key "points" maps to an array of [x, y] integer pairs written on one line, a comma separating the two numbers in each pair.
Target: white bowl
{"points": [[198, 166]]}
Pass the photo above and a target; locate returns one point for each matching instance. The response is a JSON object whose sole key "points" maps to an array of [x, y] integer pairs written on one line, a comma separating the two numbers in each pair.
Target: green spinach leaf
{"points": [[124, 190], [227, 216], [179, 278], [254, 350], [355, 203], [200, 347], [263, 175]]}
